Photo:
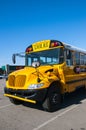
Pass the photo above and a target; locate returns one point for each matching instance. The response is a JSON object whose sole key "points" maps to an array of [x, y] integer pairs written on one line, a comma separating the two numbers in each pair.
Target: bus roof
{"points": [[45, 44], [73, 48]]}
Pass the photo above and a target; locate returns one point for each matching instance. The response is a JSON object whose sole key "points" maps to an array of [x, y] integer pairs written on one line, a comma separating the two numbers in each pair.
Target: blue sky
{"points": [[23, 22]]}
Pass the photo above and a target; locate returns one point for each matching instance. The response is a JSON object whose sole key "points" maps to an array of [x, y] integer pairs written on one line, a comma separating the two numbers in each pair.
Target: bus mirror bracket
{"points": [[14, 58]]}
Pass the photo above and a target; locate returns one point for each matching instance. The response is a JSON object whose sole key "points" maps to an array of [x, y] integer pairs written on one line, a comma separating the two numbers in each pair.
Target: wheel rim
{"points": [[55, 98]]}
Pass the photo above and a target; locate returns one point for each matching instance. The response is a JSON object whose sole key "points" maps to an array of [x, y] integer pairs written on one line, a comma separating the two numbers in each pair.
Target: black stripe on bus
{"points": [[73, 81]]}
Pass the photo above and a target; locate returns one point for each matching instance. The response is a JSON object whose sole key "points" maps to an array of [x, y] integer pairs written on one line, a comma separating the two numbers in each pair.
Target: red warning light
{"points": [[55, 44], [29, 50]]}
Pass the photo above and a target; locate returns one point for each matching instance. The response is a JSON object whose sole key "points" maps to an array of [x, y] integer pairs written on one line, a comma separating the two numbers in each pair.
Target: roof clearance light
{"points": [[29, 50], [54, 44]]}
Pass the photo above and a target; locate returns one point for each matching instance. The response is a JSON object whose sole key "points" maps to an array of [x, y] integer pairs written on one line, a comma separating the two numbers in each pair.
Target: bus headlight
{"points": [[35, 86]]}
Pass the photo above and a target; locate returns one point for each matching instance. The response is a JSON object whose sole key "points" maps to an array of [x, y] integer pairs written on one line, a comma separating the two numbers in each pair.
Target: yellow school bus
{"points": [[52, 69]]}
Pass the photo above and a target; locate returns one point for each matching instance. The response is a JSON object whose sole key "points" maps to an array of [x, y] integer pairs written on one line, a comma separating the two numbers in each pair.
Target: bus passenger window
{"points": [[69, 58], [82, 59], [77, 58], [85, 59], [61, 56]]}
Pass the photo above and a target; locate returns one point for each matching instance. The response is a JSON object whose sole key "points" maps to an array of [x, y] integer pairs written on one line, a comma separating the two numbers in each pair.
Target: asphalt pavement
{"points": [[26, 116]]}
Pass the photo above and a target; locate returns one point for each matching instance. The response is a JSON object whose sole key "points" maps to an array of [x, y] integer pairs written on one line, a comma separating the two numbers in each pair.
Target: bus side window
{"points": [[77, 58], [69, 58], [61, 57], [82, 59], [85, 59]]}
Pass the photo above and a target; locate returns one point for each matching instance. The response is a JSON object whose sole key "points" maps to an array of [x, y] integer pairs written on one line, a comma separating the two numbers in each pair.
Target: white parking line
{"points": [[6, 106], [57, 116]]}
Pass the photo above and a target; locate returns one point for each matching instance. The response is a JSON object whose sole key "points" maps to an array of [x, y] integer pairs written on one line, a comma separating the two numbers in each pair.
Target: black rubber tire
{"points": [[53, 99], [15, 101]]}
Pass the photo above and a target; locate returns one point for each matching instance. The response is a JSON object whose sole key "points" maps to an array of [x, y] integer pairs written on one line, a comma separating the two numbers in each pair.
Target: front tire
{"points": [[53, 99]]}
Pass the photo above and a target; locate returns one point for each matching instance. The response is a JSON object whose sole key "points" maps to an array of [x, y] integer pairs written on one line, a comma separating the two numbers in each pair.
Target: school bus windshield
{"points": [[46, 57]]}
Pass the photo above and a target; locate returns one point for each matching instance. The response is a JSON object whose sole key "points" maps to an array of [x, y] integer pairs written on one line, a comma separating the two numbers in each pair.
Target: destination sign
{"points": [[42, 45]]}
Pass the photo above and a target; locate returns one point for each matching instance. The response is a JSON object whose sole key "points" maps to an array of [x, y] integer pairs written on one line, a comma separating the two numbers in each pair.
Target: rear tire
{"points": [[53, 99]]}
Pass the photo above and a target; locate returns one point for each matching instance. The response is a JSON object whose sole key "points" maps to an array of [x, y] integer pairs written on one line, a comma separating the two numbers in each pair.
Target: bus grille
{"points": [[18, 81]]}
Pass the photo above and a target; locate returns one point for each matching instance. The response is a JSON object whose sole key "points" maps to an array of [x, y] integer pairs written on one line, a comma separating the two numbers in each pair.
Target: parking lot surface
{"points": [[71, 116]]}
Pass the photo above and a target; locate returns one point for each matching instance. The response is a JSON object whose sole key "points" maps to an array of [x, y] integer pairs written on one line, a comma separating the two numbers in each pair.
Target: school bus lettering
{"points": [[52, 69], [40, 46]]}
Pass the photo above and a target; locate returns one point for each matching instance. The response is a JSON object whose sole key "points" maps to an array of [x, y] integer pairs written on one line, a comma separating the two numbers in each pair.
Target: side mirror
{"points": [[14, 58]]}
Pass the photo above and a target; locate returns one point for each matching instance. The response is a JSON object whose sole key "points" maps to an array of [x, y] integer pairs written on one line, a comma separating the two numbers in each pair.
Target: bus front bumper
{"points": [[32, 96]]}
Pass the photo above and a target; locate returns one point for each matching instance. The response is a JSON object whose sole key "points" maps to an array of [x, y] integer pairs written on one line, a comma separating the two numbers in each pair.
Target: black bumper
{"points": [[37, 95]]}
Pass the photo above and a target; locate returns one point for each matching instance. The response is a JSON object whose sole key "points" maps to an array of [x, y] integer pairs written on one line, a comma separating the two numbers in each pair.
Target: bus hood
{"points": [[30, 75], [41, 71], [32, 70]]}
